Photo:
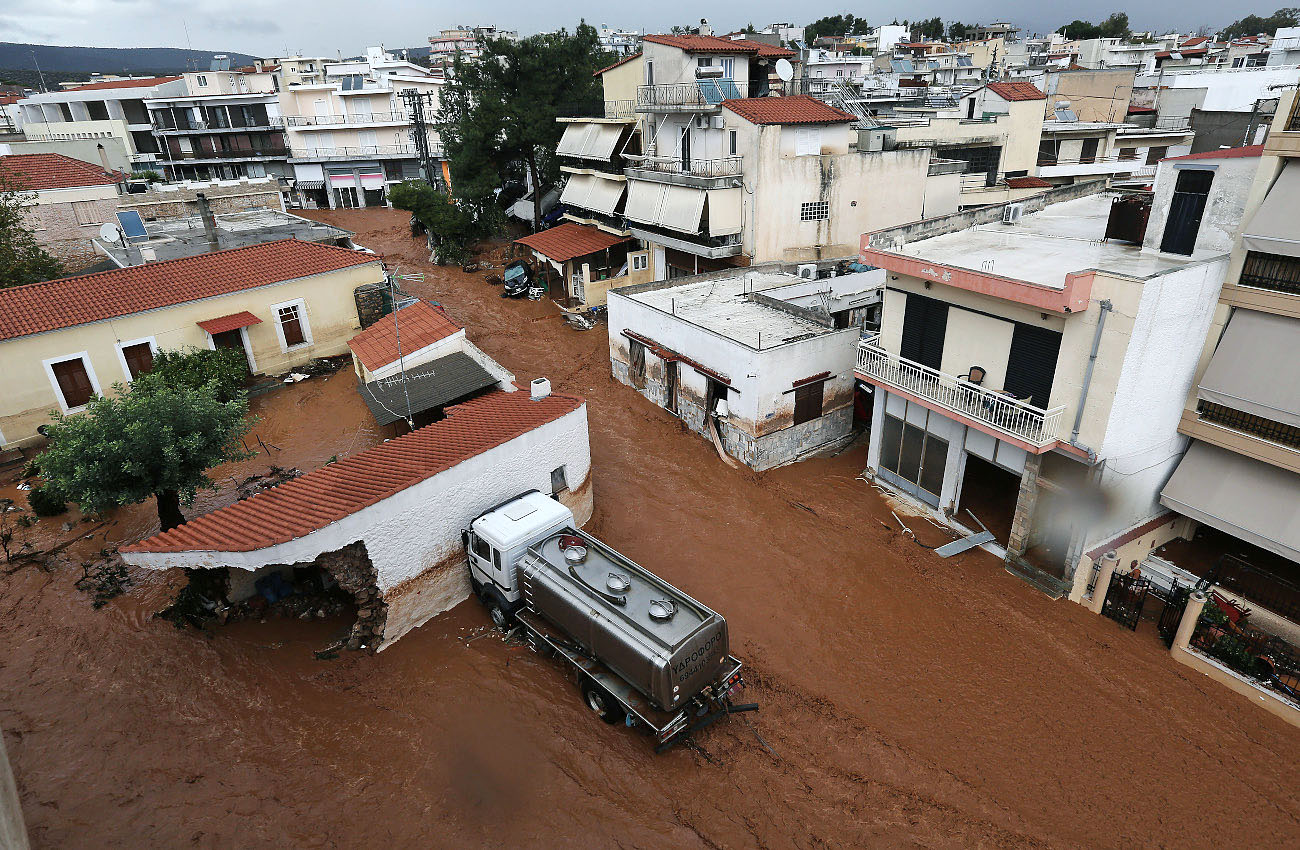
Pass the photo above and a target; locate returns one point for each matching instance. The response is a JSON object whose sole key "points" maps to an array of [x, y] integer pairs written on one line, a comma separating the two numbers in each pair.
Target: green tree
{"points": [[499, 110], [22, 259], [1078, 30], [1115, 26], [449, 220], [225, 369], [146, 441], [1255, 25], [932, 28], [835, 25]]}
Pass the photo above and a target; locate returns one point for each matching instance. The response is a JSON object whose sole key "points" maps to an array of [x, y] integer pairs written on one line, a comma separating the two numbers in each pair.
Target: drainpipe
{"points": [[209, 223], [1105, 306]]}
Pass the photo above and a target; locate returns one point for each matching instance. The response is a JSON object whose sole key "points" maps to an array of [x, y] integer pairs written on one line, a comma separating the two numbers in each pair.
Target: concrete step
{"points": [[1054, 587]]}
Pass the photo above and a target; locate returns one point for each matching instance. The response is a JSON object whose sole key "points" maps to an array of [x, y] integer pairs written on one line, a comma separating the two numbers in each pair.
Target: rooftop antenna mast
{"points": [[39, 72], [401, 359]]}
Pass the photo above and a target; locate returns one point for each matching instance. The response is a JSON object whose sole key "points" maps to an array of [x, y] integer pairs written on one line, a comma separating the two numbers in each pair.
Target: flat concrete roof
{"points": [[1044, 247], [184, 237], [720, 305]]}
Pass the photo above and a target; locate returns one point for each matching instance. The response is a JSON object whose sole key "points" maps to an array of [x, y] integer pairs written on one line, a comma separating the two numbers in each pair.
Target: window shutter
{"points": [[1031, 365]]}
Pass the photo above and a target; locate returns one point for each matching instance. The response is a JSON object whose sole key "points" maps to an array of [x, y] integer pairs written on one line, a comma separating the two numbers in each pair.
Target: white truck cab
{"points": [[498, 539]]}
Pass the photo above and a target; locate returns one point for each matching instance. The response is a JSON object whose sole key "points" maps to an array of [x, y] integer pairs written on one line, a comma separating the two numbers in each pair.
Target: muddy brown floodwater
{"points": [[906, 700]]}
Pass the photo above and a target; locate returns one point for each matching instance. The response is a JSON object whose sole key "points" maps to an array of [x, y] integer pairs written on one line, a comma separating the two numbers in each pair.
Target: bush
{"points": [[151, 176], [192, 368], [32, 468], [46, 501]]}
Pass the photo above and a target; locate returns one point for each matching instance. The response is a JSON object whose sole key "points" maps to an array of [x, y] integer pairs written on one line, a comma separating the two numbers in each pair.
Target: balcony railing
{"points": [[999, 411], [356, 118], [358, 151], [950, 166], [208, 126], [222, 155], [1273, 272], [698, 96], [727, 166]]}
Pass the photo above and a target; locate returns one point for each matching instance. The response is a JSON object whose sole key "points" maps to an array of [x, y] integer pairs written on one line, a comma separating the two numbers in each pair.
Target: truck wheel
{"points": [[500, 613], [599, 701]]}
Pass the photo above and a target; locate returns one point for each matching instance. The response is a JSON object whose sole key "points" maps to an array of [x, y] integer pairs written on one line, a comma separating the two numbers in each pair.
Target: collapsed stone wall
{"points": [[352, 569]]}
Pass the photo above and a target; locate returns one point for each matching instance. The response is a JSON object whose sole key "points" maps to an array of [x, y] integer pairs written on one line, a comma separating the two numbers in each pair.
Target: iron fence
{"points": [[1265, 589], [357, 118], [1171, 614], [726, 166], [694, 96], [1256, 654], [1273, 272]]}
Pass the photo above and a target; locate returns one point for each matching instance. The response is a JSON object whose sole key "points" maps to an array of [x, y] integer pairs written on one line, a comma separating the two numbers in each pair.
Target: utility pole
{"points": [[401, 360]]}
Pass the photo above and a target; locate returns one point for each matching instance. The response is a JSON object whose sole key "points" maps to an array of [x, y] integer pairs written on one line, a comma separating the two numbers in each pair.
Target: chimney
{"points": [[209, 222], [103, 158], [541, 388]]}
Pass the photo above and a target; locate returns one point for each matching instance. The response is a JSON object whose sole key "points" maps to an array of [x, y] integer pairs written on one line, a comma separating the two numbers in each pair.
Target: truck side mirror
{"points": [[464, 538]]}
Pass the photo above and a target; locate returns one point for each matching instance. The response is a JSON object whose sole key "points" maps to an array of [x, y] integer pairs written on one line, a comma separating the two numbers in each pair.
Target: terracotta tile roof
{"points": [[1015, 91], [1226, 153], [766, 51], [799, 109], [569, 240], [34, 171], [39, 307], [420, 325], [234, 321], [338, 490], [1027, 183], [125, 84], [623, 61], [9, 99], [1194, 42], [703, 43]]}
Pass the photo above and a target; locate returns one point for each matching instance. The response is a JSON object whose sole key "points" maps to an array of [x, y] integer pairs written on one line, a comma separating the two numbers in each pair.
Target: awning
{"points": [[645, 201], [1275, 226], [605, 195], [577, 191], [665, 205], [234, 321], [1255, 368], [724, 212], [434, 384], [1254, 501], [310, 184], [589, 141]]}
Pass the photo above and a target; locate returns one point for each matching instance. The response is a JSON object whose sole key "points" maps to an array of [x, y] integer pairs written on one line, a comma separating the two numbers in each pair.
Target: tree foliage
{"points": [[22, 259], [958, 31], [1255, 25], [149, 440], [224, 369], [835, 25], [931, 28], [498, 111], [1115, 26], [452, 222]]}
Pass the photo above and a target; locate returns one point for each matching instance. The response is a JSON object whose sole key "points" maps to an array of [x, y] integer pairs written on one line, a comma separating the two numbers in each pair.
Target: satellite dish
{"points": [[784, 70], [108, 232]]}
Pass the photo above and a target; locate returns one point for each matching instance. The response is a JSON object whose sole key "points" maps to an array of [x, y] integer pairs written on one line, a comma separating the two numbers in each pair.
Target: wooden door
{"points": [[74, 382]]}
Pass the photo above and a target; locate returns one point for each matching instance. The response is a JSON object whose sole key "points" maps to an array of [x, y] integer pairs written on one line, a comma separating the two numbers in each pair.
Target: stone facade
{"points": [[182, 203], [56, 228]]}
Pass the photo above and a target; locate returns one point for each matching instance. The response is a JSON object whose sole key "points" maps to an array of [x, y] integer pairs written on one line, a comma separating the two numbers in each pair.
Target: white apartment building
{"points": [[1033, 360], [351, 136], [113, 108]]}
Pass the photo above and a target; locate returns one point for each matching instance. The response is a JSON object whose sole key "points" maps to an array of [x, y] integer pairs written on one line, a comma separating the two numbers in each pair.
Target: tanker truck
{"points": [[643, 653]]}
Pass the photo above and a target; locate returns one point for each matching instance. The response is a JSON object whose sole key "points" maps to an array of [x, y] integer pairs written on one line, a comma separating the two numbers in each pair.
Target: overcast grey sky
{"points": [[327, 27]]}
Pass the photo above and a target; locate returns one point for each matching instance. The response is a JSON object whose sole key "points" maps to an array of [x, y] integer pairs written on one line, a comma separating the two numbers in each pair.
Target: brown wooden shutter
{"points": [[808, 402], [291, 324], [139, 359], [74, 382]]}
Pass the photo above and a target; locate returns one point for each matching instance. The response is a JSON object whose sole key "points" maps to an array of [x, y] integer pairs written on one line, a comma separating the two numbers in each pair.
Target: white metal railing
{"points": [[998, 410]]}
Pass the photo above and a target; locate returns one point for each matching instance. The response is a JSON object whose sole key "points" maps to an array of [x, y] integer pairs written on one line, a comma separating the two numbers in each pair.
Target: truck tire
{"points": [[502, 615], [599, 700]]}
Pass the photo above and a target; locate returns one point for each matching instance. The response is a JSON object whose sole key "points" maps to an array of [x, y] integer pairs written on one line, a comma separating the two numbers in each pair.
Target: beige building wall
{"points": [[620, 83], [28, 393], [63, 130], [1093, 95]]}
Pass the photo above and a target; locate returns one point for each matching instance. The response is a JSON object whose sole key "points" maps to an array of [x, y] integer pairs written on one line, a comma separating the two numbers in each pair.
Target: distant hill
{"points": [[111, 60]]}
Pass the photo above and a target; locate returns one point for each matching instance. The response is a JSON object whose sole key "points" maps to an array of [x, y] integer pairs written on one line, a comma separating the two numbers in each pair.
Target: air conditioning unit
{"points": [[1011, 213], [717, 122], [808, 271], [702, 122]]}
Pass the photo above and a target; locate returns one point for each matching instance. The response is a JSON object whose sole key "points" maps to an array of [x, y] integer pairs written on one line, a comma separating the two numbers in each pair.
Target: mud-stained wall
{"points": [[13, 834], [760, 429]]}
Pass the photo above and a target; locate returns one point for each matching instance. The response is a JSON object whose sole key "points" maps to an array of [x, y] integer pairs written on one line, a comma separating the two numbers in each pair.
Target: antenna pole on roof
{"points": [[401, 359]]}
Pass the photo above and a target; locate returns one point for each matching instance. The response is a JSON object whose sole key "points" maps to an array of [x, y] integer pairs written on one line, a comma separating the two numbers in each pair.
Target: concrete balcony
{"points": [[702, 173], [697, 96], [988, 410], [355, 120], [360, 152], [711, 247], [1051, 166], [206, 127]]}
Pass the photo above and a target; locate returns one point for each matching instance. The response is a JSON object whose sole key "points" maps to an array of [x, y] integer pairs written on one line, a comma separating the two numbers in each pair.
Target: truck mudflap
{"points": [[667, 728]]}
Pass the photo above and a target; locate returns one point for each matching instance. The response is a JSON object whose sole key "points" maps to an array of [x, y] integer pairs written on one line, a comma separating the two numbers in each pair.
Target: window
{"points": [[808, 402], [291, 320], [481, 548], [559, 480], [1154, 155], [728, 69], [201, 80], [1128, 153], [72, 380], [731, 143], [808, 141], [86, 212], [704, 61], [640, 262], [815, 211], [1088, 153], [138, 358]]}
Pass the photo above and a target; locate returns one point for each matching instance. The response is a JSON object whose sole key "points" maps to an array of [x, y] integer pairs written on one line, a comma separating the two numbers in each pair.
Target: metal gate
{"points": [[1172, 614], [1124, 600]]}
